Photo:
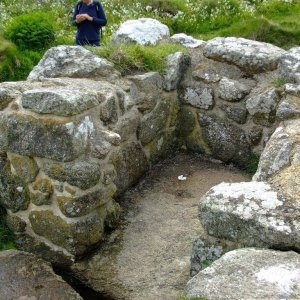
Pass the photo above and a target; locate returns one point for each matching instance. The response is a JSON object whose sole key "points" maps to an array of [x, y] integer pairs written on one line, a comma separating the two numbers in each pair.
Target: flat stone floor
{"points": [[148, 255]]}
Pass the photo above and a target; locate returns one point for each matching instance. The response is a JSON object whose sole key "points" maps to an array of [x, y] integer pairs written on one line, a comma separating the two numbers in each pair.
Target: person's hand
{"points": [[80, 18], [87, 17]]}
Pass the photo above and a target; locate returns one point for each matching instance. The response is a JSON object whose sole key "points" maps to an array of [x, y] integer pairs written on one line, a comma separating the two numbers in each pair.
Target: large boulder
{"points": [[251, 214], [72, 61], [247, 54], [144, 31], [289, 65], [249, 274], [25, 276]]}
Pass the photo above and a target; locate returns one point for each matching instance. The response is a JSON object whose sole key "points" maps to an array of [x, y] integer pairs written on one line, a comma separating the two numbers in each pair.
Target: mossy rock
{"points": [[24, 167]]}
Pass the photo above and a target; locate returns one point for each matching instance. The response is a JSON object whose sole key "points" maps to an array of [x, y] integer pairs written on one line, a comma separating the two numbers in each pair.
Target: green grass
{"points": [[252, 165], [6, 236], [130, 59]]}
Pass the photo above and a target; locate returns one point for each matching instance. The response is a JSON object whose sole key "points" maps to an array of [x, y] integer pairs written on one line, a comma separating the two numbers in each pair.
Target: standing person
{"points": [[89, 17]]}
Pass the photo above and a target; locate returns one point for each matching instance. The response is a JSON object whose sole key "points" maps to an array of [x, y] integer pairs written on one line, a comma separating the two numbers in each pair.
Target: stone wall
{"points": [[76, 134]]}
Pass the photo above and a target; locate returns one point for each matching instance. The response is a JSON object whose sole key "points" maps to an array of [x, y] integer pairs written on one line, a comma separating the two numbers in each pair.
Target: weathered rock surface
{"points": [[144, 31], [247, 54], [249, 274], [263, 107], [50, 138], [58, 101], [232, 90], [289, 108], [203, 255], [235, 113], [252, 214], [186, 40], [177, 64], [289, 66], [74, 62], [226, 141], [199, 97], [25, 276], [293, 89]]}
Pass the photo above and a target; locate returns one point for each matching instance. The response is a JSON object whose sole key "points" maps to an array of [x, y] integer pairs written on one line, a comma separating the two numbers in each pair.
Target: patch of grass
{"points": [[252, 165], [6, 236], [129, 59]]}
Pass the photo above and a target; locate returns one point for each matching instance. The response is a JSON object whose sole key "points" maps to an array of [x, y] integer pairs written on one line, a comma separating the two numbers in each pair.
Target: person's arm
{"points": [[101, 17], [74, 15]]}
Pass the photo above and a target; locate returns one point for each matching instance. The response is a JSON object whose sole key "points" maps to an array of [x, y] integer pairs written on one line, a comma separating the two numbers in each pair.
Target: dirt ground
{"points": [[148, 256]]}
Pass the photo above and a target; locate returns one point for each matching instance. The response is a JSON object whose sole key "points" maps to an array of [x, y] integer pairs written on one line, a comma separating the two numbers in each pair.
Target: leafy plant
{"points": [[6, 236], [34, 31]]}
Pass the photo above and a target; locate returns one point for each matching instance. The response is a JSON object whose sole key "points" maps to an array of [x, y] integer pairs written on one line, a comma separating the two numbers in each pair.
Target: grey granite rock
{"points": [[186, 40], [247, 54], [232, 90], [249, 274], [26, 276], [59, 101], [289, 108], [199, 97], [289, 65], [251, 214], [293, 89], [74, 62], [176, 66], [235, 113]]}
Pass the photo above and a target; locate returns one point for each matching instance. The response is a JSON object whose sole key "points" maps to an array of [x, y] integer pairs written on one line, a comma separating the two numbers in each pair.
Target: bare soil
{"points": [[148, 256]]}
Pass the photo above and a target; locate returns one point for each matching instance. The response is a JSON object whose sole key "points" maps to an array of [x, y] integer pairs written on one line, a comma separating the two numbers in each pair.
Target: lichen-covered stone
{"points": [[232, 90], [128, 125], [247, 54], [263, 107], [76, 237], [26, 276], [293, 89], [14, 193], [251, 214], [177, 64], [108, 174], [249, 274], [206, 75], [235, 113], [113, 211], [149, 87], [186, 40], [255, 135], [24, 167], [59, 101], [130, 163], [144, 31], [289, 108], [202, 255], [226, 141], [41, 192], [199, 97], [58, 140], [6, 96], [152, 123], [289, 65], [15, 223], [74, 62], [81, 173], [109, 110], [276, 155], [77, 206]]}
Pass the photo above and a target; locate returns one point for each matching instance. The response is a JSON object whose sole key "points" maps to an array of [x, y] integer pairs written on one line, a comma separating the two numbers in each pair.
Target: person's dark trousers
{"points": [[87, 43]]}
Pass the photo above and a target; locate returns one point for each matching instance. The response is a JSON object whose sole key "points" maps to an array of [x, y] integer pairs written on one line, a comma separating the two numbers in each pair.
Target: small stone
{"points": [[200, 97], [235, 113], [41, 192], [186, 40], [289, 108], [255, 135], [293, 89], [109, 110], [6, 96], [207, 75], [232, 90]]}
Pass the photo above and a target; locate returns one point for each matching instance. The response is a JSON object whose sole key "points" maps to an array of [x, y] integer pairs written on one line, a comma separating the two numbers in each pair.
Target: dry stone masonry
{"points": [[77, 134]]}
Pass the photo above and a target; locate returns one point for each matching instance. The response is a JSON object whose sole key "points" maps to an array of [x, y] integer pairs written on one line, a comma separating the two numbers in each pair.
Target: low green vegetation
{"points": [[6, 236], [136, 58], [252, 165]]}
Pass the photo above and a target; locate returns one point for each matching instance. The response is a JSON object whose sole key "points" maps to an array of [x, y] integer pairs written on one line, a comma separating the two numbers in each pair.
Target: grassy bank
{"points": [[273, 21]]}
